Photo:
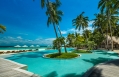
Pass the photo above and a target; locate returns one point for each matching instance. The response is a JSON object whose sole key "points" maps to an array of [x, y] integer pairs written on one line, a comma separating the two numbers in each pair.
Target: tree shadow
{"points": [[52, 74], [95, 73], [110, 54], [72, 75], [97, 61], [113, 62], [99, 51]]}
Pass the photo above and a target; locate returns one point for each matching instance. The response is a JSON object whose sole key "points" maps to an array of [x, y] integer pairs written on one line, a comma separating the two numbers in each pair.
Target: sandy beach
{"points": [[4, 52], [117, 51]]}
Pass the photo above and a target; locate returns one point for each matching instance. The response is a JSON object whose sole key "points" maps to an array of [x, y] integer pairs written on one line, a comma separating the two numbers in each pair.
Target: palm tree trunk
{"points": [[111, 37], [110, 31], [102, 34], [55, 30], [107, 38], [86, 40], [61, 36], [57, 37]]}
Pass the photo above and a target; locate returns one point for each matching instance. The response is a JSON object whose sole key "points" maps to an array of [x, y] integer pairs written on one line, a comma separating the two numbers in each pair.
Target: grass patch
{"points": [[81, 51], [62, 56]]}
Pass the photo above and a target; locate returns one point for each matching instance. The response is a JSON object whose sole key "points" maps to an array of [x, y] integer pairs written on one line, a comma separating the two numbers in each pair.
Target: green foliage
{"points": [[80, 22], [58, 42], [81, 51], [70, 39], [62, 55], [91, 45], [97, 37], [2, 28]]}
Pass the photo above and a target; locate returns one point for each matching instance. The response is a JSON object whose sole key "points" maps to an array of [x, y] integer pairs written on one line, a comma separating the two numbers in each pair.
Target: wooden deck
{"points": [[12, 69], [107, 69]]}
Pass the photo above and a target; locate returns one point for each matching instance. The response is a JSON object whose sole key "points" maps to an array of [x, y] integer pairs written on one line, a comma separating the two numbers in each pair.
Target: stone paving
{"points": [[12, 69], [107, 69]]}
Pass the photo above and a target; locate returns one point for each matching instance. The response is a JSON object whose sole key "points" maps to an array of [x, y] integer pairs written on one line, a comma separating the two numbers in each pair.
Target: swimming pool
{"points": [[61, 68]]}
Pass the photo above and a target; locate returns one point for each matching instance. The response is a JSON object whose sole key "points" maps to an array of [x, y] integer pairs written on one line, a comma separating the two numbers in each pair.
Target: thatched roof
{"points": [[114, 38]]}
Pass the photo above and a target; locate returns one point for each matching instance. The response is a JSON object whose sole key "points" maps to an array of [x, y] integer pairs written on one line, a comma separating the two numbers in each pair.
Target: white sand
{"points": [[5, 51]]}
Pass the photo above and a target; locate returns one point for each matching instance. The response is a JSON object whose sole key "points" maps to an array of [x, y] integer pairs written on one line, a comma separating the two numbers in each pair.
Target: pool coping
{"points": [[22, 68]]}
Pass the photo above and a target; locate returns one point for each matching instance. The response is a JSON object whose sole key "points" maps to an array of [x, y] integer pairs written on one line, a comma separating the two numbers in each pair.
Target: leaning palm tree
{"points": [[54, 15], [80, 22], [59, 14], [2, 28], [53, 6]]}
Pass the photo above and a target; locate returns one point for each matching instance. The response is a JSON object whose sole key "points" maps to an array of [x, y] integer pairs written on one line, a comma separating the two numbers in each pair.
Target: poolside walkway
{"points": [[117, 51], [107, 69], [12, 69]]}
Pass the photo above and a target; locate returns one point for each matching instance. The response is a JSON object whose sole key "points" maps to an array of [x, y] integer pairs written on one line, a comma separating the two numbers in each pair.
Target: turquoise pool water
{"points": [[61, 68]]}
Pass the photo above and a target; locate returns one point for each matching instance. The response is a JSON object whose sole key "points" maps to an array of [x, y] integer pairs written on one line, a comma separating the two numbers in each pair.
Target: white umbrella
{"points": [[37, 46], [32, 46], [17, 46], [25, 46]]}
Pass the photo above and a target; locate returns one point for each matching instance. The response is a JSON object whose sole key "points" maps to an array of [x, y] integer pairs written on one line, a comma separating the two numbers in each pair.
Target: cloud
{"points": [[64, 32], [90, 23], [19, 37], [73, 30], [21, 41], [23, 34]]}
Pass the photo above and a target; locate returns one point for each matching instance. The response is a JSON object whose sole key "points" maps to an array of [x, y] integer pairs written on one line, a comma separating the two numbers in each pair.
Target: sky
{"points": [[26, 21]]}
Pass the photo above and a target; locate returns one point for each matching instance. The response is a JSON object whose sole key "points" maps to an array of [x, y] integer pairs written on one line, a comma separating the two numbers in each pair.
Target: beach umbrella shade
{"points": [[17, 46], [32, 46], [25, 46], [37, 46]]}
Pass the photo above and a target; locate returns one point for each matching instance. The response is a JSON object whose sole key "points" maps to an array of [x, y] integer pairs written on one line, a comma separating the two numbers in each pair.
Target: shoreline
{"points": [[10, 52]]}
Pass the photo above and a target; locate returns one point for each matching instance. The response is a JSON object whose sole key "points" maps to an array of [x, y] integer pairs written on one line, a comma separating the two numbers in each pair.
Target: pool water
{"points": [[61, 68]]}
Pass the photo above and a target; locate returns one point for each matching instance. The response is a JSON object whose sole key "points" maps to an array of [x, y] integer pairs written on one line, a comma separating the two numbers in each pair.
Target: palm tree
{"points": [[107, 8], [80, 22], [2, 28], [99, 24], [62, 37], [54, 15], [97, 37], [87, 33], [70, 39], [78, 40], [116, 4]]}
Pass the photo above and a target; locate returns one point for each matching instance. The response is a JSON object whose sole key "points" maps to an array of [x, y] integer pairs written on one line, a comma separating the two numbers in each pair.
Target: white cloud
{"points": [[50, 39], [23, 34], [90, 23], [19, 37], [64, 32], [73, 30], [21, 41], [90, 28]]}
